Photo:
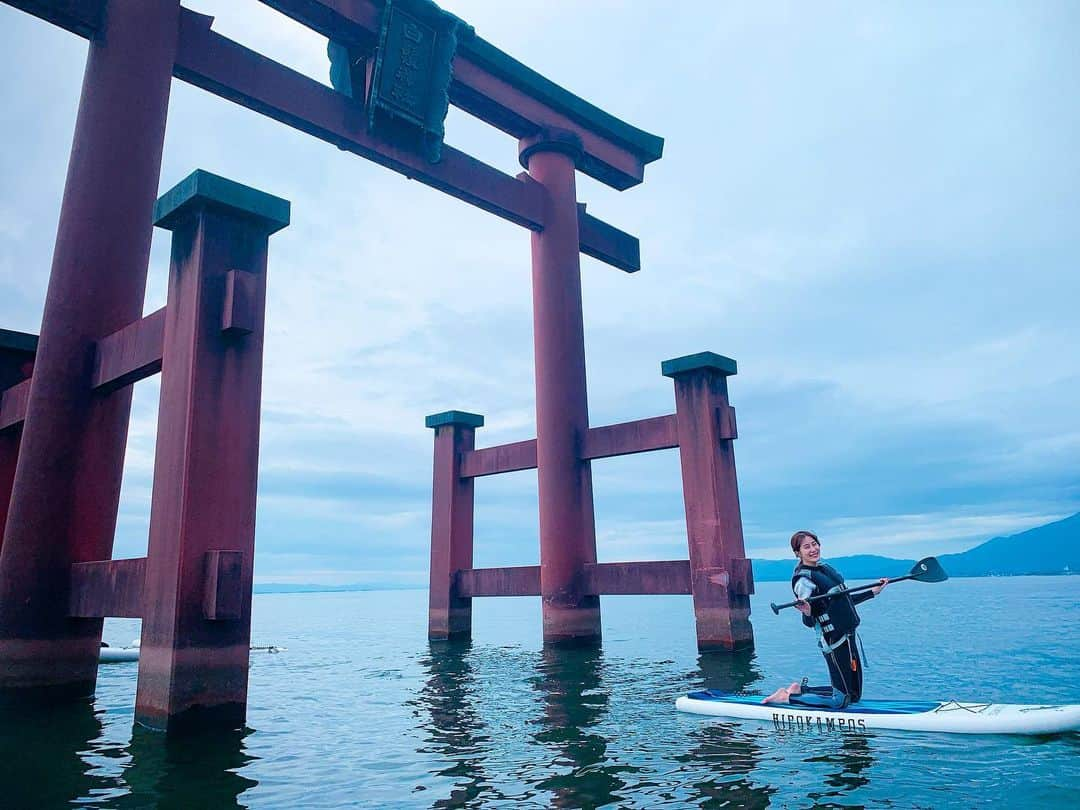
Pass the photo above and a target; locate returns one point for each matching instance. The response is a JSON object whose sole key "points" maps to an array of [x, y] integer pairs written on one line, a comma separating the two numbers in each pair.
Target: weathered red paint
{"points": [[627, 438], [206, 466], [501, 458], [567, 527], [649, 577], [742, 575], [107, 588], [16, 363], [67, 481], [711, 497], [500, 103], [523, 580], [17, 350], [449, 612], [130, 354], [9, 455], [223, 585], [641, 436], [241, 300], [13, 407], [606, 243]]}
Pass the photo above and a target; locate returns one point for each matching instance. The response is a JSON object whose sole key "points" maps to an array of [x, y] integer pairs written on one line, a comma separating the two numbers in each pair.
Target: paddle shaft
{"points": [[777, 608]]}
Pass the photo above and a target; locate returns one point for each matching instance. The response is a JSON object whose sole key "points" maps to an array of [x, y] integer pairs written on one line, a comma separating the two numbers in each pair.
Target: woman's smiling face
{"points": [[809, 550]]}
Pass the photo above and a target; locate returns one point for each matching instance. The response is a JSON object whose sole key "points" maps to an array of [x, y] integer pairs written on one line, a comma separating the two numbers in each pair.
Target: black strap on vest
{"points": [[836, 617]]}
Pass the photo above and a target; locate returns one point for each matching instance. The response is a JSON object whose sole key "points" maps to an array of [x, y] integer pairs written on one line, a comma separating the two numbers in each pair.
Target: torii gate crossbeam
{"points": [[221, 66]]}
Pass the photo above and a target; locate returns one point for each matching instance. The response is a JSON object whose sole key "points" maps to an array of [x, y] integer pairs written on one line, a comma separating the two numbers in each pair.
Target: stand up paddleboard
{"points": [[903, 715]]}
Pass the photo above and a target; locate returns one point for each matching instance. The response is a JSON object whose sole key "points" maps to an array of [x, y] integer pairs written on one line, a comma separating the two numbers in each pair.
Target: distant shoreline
{"points": [[271, 588], [1053, 546]]}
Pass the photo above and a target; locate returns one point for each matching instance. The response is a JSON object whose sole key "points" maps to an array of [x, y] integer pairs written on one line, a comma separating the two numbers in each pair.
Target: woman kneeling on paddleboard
{"points": [[835, 620]]}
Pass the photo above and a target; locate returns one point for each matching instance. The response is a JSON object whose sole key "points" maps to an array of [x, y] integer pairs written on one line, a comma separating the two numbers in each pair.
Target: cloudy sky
{"points": [[874, 208]]}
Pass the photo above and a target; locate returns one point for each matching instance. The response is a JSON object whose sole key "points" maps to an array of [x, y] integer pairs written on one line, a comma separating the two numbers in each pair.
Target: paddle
{"points": [[925, 570]]}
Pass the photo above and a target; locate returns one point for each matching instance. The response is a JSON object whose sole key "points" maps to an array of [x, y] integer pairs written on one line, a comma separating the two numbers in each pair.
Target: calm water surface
{"points": [[361, 711]]}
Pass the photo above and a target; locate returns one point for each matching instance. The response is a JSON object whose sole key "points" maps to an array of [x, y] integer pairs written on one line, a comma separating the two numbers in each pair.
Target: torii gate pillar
{"points": [[193, 660], [721, 577], [567, 524], [67, 480]]}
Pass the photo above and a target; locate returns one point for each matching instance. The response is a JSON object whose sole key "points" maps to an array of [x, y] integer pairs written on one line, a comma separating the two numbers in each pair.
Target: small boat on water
{"points": [[119, 655]]}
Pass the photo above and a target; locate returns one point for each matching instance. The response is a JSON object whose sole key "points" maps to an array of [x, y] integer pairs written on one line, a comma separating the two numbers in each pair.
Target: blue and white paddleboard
{"points": [[905, 715]]}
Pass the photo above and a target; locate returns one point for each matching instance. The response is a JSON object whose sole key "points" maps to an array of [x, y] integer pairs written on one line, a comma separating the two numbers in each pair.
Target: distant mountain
{"points": [[1050, 549]]}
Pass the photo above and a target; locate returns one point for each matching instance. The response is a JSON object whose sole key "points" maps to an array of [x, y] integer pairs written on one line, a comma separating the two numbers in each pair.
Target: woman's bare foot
{"points": [[795, 688], [779, 696]]}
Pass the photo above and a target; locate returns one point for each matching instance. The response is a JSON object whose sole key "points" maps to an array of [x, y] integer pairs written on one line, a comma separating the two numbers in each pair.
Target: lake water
{"points": [[361, 711]]}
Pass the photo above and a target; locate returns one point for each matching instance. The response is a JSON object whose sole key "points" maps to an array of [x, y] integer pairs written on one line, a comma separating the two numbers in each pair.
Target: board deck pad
{"points": [[862, 707]]}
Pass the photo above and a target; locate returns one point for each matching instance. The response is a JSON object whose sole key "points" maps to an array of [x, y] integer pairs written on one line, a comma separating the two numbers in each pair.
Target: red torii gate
{"points": [[63, 430]]}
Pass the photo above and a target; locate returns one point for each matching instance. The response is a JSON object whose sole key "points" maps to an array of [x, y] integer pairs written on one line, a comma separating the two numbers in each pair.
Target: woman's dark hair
{"points": [[797, 538]]}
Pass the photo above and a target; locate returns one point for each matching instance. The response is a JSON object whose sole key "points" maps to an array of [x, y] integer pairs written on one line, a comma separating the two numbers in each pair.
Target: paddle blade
{"points": [[929, 570]]}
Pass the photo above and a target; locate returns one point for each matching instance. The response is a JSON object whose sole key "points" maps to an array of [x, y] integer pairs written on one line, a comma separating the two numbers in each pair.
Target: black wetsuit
{"points": [[836, 620]]}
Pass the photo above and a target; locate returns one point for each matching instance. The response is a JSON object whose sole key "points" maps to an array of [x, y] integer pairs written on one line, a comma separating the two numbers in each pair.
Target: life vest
{"points": [[835, 617]]}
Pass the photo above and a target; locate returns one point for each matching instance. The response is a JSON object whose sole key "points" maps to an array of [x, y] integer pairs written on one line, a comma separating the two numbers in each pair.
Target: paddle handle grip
{"points": [[777, 608]]}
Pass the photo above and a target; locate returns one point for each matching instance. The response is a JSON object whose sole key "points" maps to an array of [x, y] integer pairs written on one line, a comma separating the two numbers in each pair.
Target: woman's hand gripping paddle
{"points": [[925, 570]]}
